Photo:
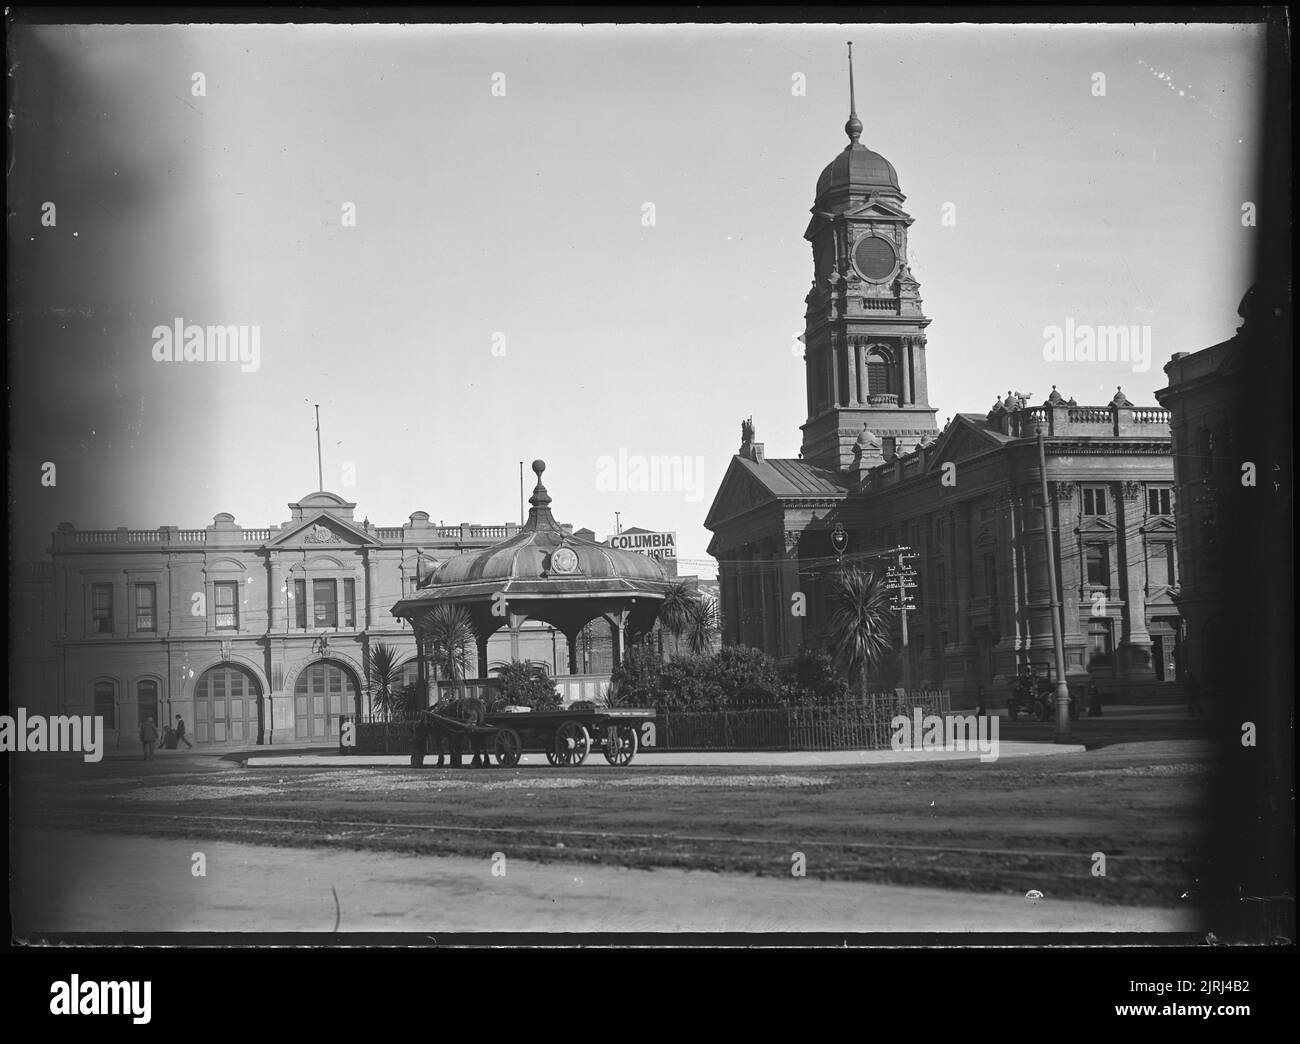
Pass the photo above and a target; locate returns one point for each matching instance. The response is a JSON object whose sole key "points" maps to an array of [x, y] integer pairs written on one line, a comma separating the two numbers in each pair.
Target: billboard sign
{"points": [[655, 545]]}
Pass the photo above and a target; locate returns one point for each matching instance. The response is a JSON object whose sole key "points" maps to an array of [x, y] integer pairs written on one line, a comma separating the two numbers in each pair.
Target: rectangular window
{"points": [[1098, 643], [1094, 500], [300, 604], [1159, 500], [325, 603], [990, 575], [145, 604], [101, 608], [1160, 564], [349, 603], [227, 602], [1097, 564], [106, 704]]}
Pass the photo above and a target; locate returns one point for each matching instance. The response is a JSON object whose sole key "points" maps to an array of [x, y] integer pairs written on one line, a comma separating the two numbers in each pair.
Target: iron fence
{"points": [[858, 723]]}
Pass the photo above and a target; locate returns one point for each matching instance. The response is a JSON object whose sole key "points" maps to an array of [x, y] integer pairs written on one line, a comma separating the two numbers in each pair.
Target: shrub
{"points": [[526, 685], [811, 678]]}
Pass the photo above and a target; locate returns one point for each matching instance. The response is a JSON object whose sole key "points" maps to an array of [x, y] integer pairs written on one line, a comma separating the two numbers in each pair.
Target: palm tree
{"points": [[387, 695], [448, 632], [675, 609], [702, 624], [860, 622]]}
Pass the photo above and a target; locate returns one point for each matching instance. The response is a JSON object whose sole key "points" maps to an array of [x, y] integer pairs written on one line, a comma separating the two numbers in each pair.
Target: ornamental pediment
{"points": [[323, 532], [959, 441], [1160, 525], [877, 208], [1096, 524], [740, 492]]}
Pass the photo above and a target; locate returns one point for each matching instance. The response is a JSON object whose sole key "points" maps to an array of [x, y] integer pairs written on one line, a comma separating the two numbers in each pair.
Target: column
{"points": [[274, 596], [851, 358], [905, 372], [367, 618], [1070, 555], [1134, 654], [834, 356], [920, 390], [516, 621], [1010, 578], [616, 633], [792, 630]]}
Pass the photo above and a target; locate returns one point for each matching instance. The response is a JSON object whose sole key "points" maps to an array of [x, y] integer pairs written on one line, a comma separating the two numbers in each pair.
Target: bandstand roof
{"points": [[530, 569]]}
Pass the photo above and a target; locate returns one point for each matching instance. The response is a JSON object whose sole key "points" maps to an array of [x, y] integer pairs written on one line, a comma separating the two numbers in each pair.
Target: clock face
{"points": [[874, 258], [563, 560]]}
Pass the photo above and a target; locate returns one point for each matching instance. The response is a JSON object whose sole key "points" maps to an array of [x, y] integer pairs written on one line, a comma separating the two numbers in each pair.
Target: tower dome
{"points": [[857, 171]]}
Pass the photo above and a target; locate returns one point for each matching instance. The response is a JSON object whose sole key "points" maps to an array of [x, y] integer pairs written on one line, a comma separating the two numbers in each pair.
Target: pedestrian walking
{"points": [[180, 733], [148, 737]]}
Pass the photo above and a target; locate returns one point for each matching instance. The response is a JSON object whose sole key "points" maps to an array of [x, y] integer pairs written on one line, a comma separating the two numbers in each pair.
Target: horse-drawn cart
{"points": [[566, 736], [1034, 692]]}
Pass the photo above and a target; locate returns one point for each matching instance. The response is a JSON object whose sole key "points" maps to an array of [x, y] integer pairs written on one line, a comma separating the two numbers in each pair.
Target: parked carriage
{"points": [[565, 736], [1034, 692]]}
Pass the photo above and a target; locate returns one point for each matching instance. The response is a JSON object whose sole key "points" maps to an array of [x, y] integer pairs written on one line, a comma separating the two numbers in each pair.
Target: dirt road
{"points": [[115, 883]]}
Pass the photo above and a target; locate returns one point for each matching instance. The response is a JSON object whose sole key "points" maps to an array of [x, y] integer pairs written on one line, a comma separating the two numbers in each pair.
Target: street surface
{"points": [[108, 883]]}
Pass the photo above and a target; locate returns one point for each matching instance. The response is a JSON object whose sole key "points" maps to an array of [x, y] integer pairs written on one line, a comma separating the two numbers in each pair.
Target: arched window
{"points": [[106, 703], [146, 702], [880, 372]]}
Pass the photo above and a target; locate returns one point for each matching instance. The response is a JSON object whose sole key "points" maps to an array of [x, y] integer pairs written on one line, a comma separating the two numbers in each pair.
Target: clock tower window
{"points": [[880, 374]]}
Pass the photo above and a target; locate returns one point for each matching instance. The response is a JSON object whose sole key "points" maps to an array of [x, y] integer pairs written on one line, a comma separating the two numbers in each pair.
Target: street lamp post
{"points": [[1058, 641]]}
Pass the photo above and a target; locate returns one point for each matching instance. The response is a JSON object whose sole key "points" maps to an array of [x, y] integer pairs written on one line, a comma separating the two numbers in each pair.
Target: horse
{"points": [[432, 732]]}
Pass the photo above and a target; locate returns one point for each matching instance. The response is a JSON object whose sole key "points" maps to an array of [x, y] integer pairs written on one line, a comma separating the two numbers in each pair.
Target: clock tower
{"points": [[864, 333]]}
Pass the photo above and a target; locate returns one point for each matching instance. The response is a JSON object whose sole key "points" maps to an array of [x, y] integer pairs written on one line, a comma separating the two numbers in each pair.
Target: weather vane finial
{"points": [[854, 127]]}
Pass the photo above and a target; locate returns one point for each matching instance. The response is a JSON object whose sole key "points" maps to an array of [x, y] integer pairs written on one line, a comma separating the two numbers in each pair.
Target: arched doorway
{"points": [[324, 691], [227, 706]]}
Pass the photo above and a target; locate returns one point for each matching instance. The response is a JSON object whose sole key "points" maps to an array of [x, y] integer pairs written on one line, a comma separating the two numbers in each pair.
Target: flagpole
{"points": [[320, 467]]}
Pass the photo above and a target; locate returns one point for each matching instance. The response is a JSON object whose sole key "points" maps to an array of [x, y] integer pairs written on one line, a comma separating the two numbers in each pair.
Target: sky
{"points": [[579, 244]]}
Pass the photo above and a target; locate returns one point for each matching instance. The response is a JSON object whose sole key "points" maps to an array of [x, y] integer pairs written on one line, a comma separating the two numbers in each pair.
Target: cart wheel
{"points": [[620, 744], [572, 743], [551, 756], [508, 747]]}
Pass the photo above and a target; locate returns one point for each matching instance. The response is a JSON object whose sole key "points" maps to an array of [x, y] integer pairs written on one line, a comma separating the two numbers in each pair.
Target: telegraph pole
{"points": [[1058, 641], [901, 578]]}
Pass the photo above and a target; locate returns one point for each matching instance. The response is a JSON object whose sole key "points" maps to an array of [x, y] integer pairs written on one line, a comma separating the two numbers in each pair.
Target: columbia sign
{"points": [[656, 545]]}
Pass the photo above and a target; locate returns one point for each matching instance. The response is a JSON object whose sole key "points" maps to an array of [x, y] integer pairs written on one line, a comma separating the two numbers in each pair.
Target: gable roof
{"points": [[967, 435], [752, 483]]}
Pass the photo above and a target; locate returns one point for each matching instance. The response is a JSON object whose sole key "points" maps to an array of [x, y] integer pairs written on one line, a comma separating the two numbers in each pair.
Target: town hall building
{"points": [[874, 466]]}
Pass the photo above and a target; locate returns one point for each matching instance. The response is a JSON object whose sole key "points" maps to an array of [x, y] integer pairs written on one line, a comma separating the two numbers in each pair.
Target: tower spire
{"points": [[854, 127]]}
